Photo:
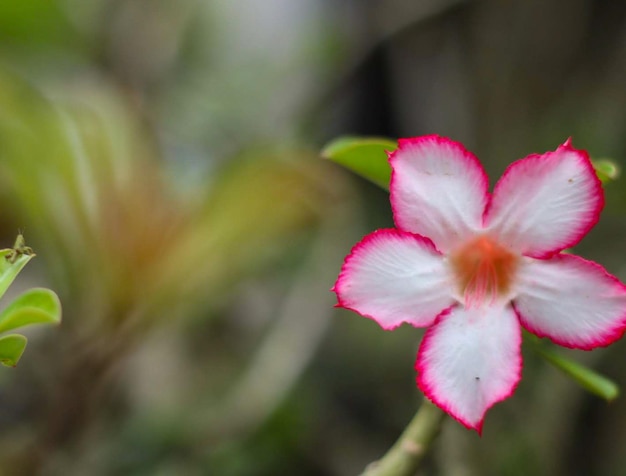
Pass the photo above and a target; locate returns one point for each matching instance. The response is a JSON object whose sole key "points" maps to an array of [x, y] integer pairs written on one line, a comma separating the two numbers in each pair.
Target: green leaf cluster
{"points": [[35, 306]]}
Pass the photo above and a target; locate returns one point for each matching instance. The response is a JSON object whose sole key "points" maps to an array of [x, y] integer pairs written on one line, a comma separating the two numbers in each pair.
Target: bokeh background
{"points": [[163, 159]]}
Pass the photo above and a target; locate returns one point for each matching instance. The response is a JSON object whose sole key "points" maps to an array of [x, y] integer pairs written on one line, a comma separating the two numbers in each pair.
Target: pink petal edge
{"points": [[430, 393], [339, 283], [577, 235], [610, 337], [470, 157], [471, 162]]}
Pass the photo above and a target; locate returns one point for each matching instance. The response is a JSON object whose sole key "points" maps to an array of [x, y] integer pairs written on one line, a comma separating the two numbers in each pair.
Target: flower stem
{"points": [[405, 456]]}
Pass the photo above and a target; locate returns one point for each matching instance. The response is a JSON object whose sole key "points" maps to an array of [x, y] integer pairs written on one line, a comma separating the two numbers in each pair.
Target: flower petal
{"points": [[395, 277], [546, 203], [438, 189], [574, 302], [470, 360]]}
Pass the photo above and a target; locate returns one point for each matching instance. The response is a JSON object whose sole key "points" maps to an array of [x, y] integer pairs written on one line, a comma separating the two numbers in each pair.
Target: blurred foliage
{"points": [[162, 157], [134, 246], [128, 252]]}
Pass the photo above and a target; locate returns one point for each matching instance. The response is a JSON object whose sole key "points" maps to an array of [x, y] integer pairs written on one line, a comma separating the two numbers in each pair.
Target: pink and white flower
{"points": [[475, 267]]}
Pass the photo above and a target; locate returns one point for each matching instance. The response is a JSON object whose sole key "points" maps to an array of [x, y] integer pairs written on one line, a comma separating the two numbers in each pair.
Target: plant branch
{"points": [[406, 455]]}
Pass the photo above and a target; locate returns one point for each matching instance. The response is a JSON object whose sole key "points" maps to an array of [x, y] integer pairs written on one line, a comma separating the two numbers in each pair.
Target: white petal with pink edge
{"points": [[395, 277], [574, 302], [438, 189], [546, 203], [470, 360]]}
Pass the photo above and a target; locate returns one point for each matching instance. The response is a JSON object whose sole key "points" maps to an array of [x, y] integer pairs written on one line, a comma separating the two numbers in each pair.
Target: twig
{"points": [[406, 455]]}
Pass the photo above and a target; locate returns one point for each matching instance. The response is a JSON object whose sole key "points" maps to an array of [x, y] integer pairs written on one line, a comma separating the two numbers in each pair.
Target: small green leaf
{"points": [[12, 260], [35, 306], [606, 170], [584, 376], [366, 157], [10, 266], [11, 349]]}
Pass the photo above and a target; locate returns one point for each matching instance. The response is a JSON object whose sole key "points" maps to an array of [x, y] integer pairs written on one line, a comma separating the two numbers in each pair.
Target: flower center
{"points": [[484, 270]]}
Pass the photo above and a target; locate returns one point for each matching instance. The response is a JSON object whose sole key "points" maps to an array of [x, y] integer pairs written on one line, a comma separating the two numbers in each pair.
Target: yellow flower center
{"points": [[484, 270]]}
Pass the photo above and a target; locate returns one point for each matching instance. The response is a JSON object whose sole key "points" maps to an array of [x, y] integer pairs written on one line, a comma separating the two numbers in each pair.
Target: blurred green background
{"points": [[163, 159]]}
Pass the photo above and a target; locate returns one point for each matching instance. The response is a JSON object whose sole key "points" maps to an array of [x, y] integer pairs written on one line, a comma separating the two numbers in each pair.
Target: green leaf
{"points": [[11, 349], [10, 266], [366, 157], [606, 170], [35, 306], [584, 376], [40, 23]]}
